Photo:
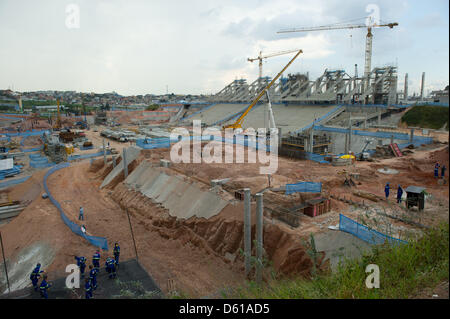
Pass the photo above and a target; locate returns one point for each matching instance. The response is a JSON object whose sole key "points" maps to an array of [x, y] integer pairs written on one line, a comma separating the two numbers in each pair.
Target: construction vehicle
{"points": [[364, 156], [368, 50], [238, 123], [261, 57]]}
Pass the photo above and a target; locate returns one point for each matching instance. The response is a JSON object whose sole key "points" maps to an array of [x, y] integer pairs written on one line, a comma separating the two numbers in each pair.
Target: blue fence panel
{"points": [[84, 156], [363, 232], [304, 187], [14, 182], [100, 242]]}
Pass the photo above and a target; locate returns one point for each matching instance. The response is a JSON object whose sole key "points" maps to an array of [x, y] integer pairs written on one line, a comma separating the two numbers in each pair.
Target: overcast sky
{"points": [[198, 46]]}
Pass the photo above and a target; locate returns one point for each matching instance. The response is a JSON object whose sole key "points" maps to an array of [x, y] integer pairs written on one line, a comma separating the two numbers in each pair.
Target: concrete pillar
{"points": [[125, 164], [346, 144], [411, 136], [365, 121], [259, 236], [311, 140], [379, 115], [104, 152], [247, 230], [349, 133], [114, 161]]}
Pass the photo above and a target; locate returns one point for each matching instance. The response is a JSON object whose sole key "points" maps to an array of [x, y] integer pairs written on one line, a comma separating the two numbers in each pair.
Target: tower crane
{"points": [[369, 38], [261, 57]]}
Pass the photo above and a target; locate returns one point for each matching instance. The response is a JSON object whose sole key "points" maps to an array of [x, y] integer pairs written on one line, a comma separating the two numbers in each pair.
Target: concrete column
{"points": [[349, 133], [259, 236], [379, 116], [114, 161], [125, 164], [104, 152], [365, 121], [411, 136], [311, 140], [247, 230]]}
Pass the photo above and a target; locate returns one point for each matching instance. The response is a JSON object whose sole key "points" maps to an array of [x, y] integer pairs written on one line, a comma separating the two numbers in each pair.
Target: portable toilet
{"points": [[415, 196]]}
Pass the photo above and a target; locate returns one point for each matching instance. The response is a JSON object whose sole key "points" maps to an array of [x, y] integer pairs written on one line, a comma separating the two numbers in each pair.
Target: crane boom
{"points": [[337, 27], [238, 123], [369, 38]]}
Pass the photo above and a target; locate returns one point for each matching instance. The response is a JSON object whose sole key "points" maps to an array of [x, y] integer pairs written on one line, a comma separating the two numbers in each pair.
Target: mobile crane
{"points": [[238, 123]]}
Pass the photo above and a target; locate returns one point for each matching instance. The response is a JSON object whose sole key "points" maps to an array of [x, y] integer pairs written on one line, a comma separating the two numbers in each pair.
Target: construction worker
{"points": [[44, 287], [443, 169], [386, 190], [111, 267], [93, 276], [399, 194], [35, 275], [88, 288], [436, 170], [81, 215], [81, 263], [116, 253], [96, 260]]}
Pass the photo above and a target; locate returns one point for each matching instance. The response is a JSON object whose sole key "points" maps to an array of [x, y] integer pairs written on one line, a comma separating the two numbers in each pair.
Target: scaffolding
{"points": [[332, 87]]}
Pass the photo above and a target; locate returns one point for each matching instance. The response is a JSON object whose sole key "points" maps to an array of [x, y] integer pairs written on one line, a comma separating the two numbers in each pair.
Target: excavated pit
{"points": [[220, 235]]}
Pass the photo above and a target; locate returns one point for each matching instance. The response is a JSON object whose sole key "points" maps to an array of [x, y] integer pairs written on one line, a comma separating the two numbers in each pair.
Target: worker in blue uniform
{"points": [[399, 194], [44, 287], [93, 276], [436, 170], [96, 260], [116, 253], [81, 263], [88, 288], [386, 190], [111, 267], [35, 275]]}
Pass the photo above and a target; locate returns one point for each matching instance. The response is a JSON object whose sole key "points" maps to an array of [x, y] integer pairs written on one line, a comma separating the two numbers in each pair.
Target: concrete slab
{"points": [[132, 153], [181, 198], [288, 118]]}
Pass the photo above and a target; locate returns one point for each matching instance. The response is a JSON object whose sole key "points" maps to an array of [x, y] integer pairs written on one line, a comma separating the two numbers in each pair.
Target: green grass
{"points": [[404, 271], [433, 117]]}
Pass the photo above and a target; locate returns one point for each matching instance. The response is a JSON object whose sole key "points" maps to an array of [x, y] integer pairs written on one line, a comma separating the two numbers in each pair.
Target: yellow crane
{"points": [[369, 37], [261, 57], [238, 123]]}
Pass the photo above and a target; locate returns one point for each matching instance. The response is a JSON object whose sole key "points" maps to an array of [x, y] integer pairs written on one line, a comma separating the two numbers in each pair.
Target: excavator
{"points": [[238, 123]]}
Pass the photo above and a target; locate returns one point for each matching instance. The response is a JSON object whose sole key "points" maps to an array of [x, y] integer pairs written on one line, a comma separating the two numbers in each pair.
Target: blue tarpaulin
{"points": [[303, 187]]}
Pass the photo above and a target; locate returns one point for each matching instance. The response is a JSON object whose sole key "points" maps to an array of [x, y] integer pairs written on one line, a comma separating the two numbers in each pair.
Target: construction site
{"points": [[193, 229]]}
